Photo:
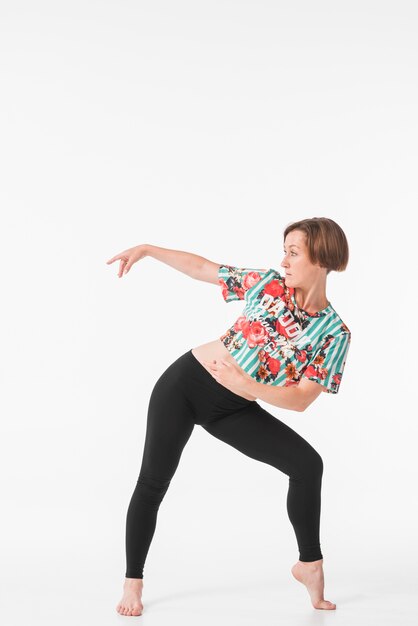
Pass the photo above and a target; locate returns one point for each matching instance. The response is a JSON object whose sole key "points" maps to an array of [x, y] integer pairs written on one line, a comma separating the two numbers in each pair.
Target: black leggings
{"points": [[187, 394]]}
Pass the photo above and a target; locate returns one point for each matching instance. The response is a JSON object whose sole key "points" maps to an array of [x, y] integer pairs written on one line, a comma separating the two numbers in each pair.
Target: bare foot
{"points": [[312, 576], [131, 600]]}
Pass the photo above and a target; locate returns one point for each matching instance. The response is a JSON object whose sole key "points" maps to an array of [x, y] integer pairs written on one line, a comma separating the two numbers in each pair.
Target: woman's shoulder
{"points": [[337, 323]]}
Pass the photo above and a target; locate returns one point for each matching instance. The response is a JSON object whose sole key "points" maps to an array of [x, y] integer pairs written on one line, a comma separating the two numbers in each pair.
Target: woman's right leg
{"points": [[169, 426], [258, 434]]}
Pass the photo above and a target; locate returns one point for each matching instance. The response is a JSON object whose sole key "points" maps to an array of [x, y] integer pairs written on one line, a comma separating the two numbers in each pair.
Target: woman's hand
{"points": [[129, 257], [230, 376]]}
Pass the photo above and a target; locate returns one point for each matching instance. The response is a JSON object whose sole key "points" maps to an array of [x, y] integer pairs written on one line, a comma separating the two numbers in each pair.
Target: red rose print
{"points": [[242, 324], [274, 288], [224, 288], [273, 365], [311, 371], [255, 334], [282, 330], [240, 292], [301, 356], [337, 378], [250, 280]]}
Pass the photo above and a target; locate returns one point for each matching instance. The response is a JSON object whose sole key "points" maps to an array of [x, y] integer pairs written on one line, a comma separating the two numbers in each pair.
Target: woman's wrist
{"points": [[250, 386], [146, 247]]}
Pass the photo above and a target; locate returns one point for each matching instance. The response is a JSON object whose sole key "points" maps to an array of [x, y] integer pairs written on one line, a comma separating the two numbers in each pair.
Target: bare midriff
{"points": [[215, 351]]}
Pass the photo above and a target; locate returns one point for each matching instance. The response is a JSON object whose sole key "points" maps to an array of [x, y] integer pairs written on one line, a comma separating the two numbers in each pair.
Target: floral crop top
{"points": [[275, 341]]}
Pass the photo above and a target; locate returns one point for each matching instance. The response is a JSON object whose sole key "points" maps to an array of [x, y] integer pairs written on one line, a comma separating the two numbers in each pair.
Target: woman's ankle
{"points": [[317, 563], [134, 581]]}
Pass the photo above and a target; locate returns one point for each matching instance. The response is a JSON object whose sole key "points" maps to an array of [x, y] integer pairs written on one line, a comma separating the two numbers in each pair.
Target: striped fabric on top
{"points": [[275, 341]]}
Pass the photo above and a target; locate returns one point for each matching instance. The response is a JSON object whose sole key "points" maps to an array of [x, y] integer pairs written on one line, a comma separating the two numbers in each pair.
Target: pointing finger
{"points": [[114, 258]]}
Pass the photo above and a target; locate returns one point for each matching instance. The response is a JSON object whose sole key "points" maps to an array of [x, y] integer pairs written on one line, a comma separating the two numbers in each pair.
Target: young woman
{"points": [[288, 345]]}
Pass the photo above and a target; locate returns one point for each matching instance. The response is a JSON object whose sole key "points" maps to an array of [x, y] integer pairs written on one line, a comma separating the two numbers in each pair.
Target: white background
{"points": [[205, 127]]}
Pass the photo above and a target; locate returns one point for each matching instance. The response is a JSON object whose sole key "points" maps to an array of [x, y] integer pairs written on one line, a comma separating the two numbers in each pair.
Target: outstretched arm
{"points": [[191, 264]]}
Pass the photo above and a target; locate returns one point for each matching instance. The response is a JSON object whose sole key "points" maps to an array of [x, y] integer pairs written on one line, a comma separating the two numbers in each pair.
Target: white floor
{"points": [[383, 595]]}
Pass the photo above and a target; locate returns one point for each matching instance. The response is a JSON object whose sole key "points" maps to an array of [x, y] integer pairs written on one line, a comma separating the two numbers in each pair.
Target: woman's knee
{"points": [[314, 465], [309, 466], [318, 464], [151, 490]]}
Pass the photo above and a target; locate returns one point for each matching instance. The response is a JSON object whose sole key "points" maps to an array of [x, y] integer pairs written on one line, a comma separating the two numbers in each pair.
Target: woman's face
{"points": [[299, 269]]}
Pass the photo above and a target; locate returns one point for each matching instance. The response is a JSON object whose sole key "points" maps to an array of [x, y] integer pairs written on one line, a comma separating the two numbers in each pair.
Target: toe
{"points": [[328, 605]]}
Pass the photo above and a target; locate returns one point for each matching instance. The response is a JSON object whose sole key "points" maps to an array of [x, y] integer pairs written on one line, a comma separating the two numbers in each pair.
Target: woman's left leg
{"points": [[261, 436]]}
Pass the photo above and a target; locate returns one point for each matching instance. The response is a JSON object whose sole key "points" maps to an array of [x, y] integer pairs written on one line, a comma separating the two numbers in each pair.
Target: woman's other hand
{"points": [[229, 375], [128, 258]]}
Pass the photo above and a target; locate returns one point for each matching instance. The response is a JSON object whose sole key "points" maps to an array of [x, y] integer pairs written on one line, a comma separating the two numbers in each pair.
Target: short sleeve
{"points": [[235, 282], [327, 364]]}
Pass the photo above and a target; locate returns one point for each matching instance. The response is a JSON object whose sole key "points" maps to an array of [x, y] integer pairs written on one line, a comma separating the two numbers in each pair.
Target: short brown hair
{"points": [[326, 242]]}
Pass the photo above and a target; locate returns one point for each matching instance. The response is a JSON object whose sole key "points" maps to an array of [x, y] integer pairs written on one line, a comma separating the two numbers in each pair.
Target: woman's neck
{"points": [[309, 302]]}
